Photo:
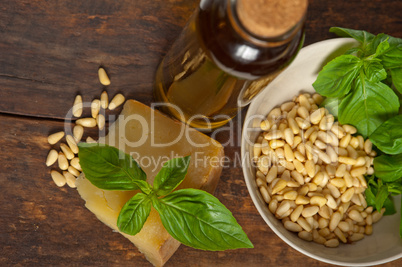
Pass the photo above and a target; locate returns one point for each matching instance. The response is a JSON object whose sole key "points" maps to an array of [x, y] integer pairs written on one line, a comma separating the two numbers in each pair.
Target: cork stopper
{"points": [[270, 18]]}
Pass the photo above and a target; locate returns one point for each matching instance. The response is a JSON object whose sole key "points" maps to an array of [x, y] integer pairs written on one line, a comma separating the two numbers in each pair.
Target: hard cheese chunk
{"points": [[151, 138]]}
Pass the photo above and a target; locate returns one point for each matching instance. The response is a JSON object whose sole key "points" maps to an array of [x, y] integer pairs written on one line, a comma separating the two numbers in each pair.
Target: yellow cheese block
{"points": [[152, 138]]}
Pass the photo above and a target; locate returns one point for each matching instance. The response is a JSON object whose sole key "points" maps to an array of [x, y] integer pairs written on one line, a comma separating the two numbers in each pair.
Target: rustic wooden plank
{"points": [[50, 50]]}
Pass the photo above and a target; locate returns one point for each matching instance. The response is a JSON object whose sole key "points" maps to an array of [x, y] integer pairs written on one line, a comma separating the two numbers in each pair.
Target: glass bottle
{"points": [[228, 51]]}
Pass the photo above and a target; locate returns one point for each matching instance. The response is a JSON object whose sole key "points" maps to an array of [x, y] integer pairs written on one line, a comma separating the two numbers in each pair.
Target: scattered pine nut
{"points": [[77, 106], [73, 171], [116, 101], [75, 162], [103, 77], [78, 131], [67, 151], [56, 137], [90, 140], [100, 121], [58, 178], [86, 122], [51, 157], [104, 100], [70, 179], [95, 107], [72, 144], [62, 160]]}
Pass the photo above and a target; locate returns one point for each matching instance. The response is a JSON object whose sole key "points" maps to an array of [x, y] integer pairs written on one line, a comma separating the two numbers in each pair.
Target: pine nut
{"points": [[356, 237], [70, 179], [265, 125], [302, 200], [58, 178], [303, 100], [51, 157], [317, 98], [100, 121], [289, 136], [376, 216], [349, 129], [77, 106], [293, 125], [78, 131], [264, 194], [332, 243], [318, 200], [340, 171], [290, 195], [282, 208], [104, 100], [331, 202], [95, 107], [368, 229], [274, 144], [54, 138], [272, 174], [116, 101], [90, 140], [354, 142], [323, 124], [302, 123], [352, 153], [358, 171], [67, 151], [310, 168], [296, 213], [86, 122], [335, 219], [320, 144], [360, 161], [344, 226], [257, 150], [347, 160], [293, 227], [296, 141], [281, 184], [338, 182], [347, 196], [273, 205], [287, 106], [73, 171], [325, 212], [305, 236], [338, 131], [273, 135], [62, 160], [319, 240], [72, 144], [317, 115], [356, 216], [318, 178], [303, 190], [304, 224], [289, 153], [303, 112], [344, 142], [264, 148], [75, 162], [310, 211], [103, 77], [323, 224], [313, 137]]}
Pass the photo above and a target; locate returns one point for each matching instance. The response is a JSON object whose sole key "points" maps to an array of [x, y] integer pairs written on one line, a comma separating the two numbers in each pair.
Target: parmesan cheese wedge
{"points": [[152, 139]]}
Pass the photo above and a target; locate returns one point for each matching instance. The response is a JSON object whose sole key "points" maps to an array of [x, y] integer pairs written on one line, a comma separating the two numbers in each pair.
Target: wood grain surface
{"points": [[50, 51]]}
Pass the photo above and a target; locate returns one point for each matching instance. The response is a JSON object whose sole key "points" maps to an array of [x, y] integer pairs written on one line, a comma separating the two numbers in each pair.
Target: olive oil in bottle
{"points": [[228, 51]]}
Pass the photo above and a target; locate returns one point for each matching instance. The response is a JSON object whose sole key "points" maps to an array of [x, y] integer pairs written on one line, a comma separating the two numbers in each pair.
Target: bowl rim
{"points": [[254, 196]]}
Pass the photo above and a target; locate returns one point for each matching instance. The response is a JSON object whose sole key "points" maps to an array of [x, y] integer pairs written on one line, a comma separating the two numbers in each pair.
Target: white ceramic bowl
{"points": [[384, 244]]}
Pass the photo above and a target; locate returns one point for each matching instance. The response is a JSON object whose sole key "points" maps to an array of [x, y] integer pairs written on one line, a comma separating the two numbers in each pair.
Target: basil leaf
{"points": [[361, 36], [108, 168], [389, 206], [388, 136], [134, 214], [381, 196], [396, 75], [370, 196], [388, 168], [382, 48], [171, 175], [368, 106], [393, 57], [374, 70], [335, 79], [197, 219], [331, 104]]}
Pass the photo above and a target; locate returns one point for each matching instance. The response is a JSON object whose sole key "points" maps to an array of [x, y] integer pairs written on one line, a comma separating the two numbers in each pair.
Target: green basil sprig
{"points": [[363, 88], [193, 217]]}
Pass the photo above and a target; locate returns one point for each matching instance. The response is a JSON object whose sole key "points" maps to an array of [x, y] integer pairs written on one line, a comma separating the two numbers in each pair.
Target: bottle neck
{"points": [[267, 22]]}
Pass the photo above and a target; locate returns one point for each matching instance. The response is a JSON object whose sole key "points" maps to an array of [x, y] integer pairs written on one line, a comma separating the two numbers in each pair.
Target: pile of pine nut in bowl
{"points": [[305, 172]]}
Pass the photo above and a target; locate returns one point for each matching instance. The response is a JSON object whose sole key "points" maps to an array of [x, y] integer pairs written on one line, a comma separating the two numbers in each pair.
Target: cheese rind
{"points": [[151, 138]]}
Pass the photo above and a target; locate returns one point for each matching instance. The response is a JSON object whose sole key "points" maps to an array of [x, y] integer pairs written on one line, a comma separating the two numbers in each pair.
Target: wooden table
{"points": [[50, 51]]}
